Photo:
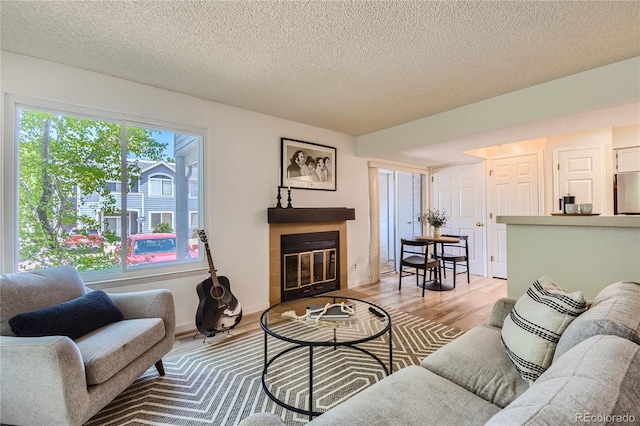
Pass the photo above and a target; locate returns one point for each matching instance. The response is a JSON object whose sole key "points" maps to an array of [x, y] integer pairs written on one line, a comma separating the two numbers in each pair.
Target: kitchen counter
{"points": [[584, 253], [571, 220]]}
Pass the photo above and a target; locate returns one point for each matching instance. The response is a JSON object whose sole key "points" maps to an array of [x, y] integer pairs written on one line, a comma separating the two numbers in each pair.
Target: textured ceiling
{"points": [[350, 66]]}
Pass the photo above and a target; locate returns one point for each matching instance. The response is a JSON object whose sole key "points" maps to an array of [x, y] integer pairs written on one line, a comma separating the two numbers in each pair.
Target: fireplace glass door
{"points": [[310, 264]]}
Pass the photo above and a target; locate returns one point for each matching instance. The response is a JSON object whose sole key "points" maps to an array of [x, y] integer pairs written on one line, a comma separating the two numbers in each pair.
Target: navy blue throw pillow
{"points": [[74, 318]]}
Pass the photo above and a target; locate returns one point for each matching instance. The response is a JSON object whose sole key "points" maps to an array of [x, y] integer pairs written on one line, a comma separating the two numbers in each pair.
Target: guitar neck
{"points": [[212, 268]]}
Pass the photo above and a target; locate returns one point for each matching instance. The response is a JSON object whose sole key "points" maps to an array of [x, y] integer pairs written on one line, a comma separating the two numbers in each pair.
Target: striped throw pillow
{"points": [[532, 330]]}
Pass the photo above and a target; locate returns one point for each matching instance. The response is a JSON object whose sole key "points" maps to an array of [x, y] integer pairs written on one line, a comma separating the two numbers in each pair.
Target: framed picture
{"points": [[307, 165]]}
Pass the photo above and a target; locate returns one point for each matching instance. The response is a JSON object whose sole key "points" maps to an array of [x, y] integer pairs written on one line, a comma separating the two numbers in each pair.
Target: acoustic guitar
{"points": [[218, 310]]}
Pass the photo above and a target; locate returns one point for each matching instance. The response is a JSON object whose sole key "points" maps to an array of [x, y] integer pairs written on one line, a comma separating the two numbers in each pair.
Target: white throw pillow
{"points": [[531, 331]]}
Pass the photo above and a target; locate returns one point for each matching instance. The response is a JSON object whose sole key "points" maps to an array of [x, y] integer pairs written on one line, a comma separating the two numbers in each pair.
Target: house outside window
{"points": [[113, 186], [79, 173], [194, 221], [160, 186], [161, 217], [193, 188], [116, 186]]}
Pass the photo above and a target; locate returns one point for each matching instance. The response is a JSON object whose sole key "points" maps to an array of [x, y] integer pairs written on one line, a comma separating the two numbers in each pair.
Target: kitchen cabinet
{"points": [[628, 159]]}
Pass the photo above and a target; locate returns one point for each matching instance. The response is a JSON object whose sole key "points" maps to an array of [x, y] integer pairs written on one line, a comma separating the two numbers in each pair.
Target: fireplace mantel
{"points": [[317, 214]]}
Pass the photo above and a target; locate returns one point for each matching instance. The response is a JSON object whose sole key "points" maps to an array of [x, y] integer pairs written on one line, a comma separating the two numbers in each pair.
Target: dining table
{"points": [[437, 284]]}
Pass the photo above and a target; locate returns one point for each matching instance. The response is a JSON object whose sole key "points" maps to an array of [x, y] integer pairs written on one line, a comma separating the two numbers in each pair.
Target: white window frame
{"points": [[9, 193], [118, 222], [194, 182], [161, 213], [118, 186], [162, 178], [191, 224]]}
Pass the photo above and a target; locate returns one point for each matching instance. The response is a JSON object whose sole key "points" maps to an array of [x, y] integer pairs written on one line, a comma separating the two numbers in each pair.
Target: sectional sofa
{"points": [[594, 376]]}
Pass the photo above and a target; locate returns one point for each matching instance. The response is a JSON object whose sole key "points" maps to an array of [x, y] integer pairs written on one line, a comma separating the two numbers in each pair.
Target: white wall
{"points": [[241, 164], [626, 137]]}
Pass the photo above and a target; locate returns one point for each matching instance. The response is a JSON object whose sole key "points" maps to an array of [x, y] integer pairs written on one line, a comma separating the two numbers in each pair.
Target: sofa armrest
{"points": [[42, 380], [148, 304], [500, 311]]}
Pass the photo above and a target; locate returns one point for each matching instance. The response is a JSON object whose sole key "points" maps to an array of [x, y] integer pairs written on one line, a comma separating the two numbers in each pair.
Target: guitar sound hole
{"points": [[217, 292]]}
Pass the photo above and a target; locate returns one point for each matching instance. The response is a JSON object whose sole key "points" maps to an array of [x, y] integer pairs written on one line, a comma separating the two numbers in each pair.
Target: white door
{"points": [[580, 173], [514, 190], [405, 205], [458, 190], [400, 213], [386, 218]]}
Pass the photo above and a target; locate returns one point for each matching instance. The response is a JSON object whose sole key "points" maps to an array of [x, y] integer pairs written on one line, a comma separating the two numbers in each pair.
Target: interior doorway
{"points": [[459, 191], [401, 196], [514, 190]]}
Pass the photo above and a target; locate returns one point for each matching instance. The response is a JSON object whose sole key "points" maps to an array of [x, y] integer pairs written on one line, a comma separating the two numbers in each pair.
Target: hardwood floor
{"points": [[464, 307]]}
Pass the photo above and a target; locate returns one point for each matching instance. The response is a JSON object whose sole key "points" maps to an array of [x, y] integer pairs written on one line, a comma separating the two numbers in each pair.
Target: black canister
{"points": [[567, 199]]}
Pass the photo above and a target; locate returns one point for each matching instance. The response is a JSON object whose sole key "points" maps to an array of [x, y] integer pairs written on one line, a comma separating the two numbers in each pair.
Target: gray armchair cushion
{"points": [[110, 349], [597, 377], [73, 318], [614, 311], [477, 362]]}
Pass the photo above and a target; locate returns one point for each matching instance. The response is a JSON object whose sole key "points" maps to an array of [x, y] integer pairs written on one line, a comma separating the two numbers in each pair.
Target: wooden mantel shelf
{"points": [[316, 214]]}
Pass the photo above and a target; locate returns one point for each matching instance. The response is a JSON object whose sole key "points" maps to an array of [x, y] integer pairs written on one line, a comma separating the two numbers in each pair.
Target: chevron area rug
{"points": [[220, 384]]}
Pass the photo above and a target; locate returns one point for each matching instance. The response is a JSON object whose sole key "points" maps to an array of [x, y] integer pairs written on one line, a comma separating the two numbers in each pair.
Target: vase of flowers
{"points": [[437, 219]]}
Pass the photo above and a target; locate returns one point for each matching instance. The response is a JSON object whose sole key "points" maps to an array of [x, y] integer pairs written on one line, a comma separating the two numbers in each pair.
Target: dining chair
{"points": [[452, 254], [415, 254]]}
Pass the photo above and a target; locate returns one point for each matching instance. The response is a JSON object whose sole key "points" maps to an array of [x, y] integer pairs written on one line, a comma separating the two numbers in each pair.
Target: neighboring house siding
{"points": [[140, 204]]}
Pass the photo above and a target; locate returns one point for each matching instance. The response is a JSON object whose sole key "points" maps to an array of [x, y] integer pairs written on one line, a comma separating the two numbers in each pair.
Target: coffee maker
{"points": [[567, 199]]}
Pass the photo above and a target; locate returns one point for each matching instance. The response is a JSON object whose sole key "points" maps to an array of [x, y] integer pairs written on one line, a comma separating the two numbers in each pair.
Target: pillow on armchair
{"points": [[74, 318], [533, 328]]}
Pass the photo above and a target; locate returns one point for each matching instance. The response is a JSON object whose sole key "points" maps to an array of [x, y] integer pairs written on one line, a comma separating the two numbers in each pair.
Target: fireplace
{"points": [[309, 264], [317, 252]]}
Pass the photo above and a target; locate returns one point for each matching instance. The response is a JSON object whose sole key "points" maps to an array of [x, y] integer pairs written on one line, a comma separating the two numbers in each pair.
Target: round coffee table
{"points": [[362, 326]]}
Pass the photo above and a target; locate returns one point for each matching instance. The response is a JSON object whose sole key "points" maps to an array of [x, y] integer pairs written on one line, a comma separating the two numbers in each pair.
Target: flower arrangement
{"points": [[436, 218]]}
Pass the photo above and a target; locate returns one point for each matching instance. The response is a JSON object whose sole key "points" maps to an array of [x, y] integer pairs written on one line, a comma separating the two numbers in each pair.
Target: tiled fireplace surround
{"points": [[299, 221]]}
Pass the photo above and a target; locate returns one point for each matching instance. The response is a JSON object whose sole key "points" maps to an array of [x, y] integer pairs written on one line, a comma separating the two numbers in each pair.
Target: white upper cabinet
{"points": [[628, 159]]}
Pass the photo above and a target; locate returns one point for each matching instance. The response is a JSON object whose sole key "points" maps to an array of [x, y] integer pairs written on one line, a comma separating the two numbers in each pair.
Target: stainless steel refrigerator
{"points": [[628, 193]]}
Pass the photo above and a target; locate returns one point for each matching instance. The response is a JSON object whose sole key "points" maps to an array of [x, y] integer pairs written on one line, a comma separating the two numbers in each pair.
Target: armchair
{"points": [[57, 380]]}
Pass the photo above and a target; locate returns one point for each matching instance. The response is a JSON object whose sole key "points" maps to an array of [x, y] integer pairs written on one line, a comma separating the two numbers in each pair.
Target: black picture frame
{"points": [[301, 171]]}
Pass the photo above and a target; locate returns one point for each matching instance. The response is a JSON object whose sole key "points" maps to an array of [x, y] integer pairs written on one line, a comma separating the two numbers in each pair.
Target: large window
{"points": [[90, 188]]}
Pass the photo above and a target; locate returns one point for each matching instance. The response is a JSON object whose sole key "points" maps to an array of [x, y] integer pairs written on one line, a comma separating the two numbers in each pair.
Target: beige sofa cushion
{"points": [[533, 328], [595, 382], [477, 362], [614, 311], [410, 396], [109, 349]]}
